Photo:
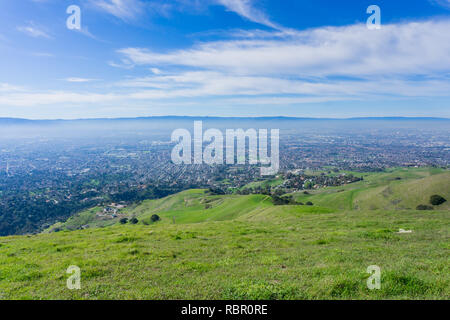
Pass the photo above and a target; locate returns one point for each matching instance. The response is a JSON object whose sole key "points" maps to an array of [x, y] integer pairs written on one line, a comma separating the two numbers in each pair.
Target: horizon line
{"points": [[237, 117]]}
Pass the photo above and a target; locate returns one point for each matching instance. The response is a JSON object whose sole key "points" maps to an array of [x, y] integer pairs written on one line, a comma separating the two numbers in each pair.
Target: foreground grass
{"points": [[288, 252]]}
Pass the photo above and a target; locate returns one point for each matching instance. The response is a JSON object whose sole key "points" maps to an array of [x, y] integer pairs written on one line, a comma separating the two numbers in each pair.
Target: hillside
{"points": [[243, 247], [281, 253], [191, 206], [396, 189]]}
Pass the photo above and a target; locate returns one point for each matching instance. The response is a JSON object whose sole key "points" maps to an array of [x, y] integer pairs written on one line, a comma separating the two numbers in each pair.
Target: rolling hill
{"points": [[243, 247], [396, 189]]}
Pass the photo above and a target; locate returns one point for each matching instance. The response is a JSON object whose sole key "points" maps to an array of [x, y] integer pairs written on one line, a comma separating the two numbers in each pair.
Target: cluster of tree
{"points": [[23, 211], [215, 191], [287, 200], [282, 201], [266, 190], [138, 194], [134, 220], [31, 215], [435, 200]]}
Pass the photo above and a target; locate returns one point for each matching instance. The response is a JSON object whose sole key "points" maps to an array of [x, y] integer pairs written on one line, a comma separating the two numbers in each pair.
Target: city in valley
{"points": [[50, 171]]}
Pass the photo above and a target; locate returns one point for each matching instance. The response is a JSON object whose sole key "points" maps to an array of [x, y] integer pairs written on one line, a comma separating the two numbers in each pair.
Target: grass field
{"points": [[397, 189], [244, 247]]}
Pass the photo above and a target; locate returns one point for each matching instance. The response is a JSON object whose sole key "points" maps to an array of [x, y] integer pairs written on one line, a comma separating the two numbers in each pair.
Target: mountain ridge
{"points": [[24, 120]]}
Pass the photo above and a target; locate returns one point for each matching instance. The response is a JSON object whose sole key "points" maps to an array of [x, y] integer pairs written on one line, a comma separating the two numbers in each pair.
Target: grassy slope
{"points": [[189, 207], [279, 253], [384, 191], [243, 247], [264, 183]]}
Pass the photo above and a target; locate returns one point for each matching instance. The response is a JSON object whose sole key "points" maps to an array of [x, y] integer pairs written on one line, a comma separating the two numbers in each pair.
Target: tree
{"points": [[437, 200], [155, 218], [309, 185], [123, 220], [134, 220]]}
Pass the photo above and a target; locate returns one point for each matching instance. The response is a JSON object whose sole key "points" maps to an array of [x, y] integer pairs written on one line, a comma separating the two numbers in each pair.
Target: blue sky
{"points": [[224, 58]]}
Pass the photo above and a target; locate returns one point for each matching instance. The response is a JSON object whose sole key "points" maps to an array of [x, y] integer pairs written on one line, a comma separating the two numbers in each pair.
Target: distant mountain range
{"points": [[29, 121]]}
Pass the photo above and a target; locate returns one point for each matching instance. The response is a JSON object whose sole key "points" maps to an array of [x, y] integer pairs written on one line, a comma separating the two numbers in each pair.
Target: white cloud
{"points": [[85, 31], [79, 80], [247, 10], [155, 71], [215, 84], [130, 10], [42, 54], [28, 99], [124, 64], [402, 49], [34, 31], [400, 61], [6, 87], [229, 89], [127, 10]]}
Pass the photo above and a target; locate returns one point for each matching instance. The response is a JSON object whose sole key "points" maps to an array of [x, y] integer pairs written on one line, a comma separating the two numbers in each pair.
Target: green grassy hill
{"points": [[196, 206], [244, 247], [398, 189]]}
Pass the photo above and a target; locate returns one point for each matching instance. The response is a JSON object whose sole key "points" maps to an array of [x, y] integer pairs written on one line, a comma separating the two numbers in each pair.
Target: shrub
{"points": [[424, 207], [134, 221], [155, 218], [282, 201], [123, 220], [437, 200], [309, 203]]}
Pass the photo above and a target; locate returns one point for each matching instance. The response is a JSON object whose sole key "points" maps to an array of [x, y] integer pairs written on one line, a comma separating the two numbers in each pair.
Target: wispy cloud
{"points": [[443, 3], [131, 10], [124, 64], [34, 31], [223, 88], [247, 10], [85, 31], [6, 87], [42, 54], [79, 80], [127, 10]]}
